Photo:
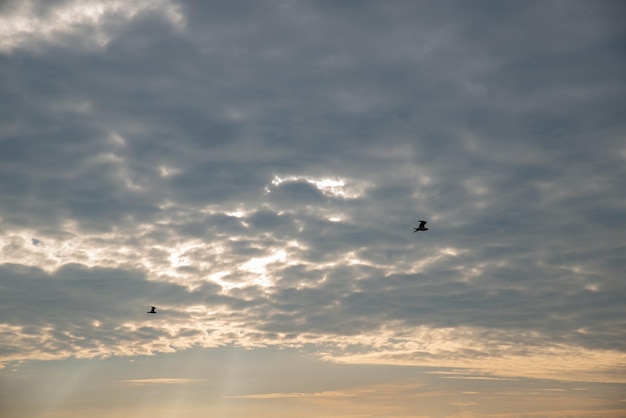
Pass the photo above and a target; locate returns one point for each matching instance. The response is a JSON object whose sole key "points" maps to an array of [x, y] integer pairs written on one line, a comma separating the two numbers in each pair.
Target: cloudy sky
{"points": [[255, 169]]}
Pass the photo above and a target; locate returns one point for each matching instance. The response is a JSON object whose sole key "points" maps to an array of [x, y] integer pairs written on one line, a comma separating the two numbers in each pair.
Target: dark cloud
{"points": [[256, 169]]}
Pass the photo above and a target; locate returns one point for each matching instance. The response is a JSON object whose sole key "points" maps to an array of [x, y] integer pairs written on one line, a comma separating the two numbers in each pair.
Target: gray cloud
{"points": [[257, 169]]}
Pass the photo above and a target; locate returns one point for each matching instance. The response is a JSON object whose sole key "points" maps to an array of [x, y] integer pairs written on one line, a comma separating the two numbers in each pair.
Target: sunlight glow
{"points": [[335, 187], [23, 27], [165, 171], [258, 265]]}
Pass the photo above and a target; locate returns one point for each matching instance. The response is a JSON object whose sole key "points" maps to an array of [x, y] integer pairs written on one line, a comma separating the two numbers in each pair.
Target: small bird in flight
{"points": [[152, 310], [421, 227]]}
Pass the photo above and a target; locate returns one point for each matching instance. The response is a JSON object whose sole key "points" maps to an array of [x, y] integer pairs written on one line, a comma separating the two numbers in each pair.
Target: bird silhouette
{"points": [[421, 227], [152, 310]]}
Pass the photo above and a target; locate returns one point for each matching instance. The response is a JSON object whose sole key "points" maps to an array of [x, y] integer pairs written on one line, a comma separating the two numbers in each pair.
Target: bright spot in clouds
{"points": [[332, 187]]}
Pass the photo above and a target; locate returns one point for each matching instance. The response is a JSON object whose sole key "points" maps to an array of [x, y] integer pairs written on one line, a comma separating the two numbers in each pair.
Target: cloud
{"points": [[255, 172], [29, 24]]}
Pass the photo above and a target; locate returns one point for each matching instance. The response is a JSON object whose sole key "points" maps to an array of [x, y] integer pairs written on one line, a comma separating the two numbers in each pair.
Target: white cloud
{"points": [[22, 26], [335, 187]]}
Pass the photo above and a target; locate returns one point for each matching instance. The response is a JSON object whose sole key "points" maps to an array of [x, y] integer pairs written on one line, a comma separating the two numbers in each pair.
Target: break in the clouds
{"points": [[254, 170]]}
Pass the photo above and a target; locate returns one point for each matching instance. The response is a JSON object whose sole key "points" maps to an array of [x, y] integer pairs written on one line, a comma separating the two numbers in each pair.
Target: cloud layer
{"points": [[254, 171]]}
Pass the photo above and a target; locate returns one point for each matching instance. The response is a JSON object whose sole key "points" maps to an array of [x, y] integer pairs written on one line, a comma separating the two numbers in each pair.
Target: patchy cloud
{"points": [[255, 172]]}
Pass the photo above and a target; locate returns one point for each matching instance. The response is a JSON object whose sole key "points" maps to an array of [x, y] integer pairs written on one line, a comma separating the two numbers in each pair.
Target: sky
{"points": [[255, 170]]}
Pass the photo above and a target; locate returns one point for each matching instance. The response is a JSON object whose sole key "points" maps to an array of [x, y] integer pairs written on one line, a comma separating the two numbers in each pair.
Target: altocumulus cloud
{"points": [[254, 171]]}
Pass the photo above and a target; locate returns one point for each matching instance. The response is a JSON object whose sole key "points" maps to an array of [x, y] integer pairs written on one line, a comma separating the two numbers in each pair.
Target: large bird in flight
{"points": [[153, 310], [421, 227]]}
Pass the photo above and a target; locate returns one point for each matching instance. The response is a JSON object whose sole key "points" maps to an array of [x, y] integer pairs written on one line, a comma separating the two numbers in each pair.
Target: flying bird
{"points": [[152, 310], [421, 227]]}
